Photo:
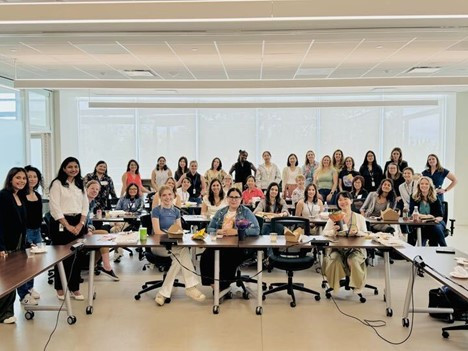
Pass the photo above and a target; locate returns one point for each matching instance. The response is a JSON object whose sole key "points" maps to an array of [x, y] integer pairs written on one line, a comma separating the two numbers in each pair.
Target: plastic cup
{"points": [[273, 237], [143, 233]]}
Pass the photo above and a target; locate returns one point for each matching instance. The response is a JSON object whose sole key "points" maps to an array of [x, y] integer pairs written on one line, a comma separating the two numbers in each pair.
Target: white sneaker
{"points": [[160, 300], [28, 300], [35, 294], [195, 294], [118, 253], [10, 320]]}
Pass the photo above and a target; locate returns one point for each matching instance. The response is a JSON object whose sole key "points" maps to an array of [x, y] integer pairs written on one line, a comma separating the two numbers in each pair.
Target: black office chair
{"points": [[290, 259], [451, 229], [161, 262], [344, 283], [45, 233]]}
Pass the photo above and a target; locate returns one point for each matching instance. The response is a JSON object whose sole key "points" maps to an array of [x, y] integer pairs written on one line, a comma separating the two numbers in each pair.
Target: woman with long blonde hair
{"points": [[326, 179]]}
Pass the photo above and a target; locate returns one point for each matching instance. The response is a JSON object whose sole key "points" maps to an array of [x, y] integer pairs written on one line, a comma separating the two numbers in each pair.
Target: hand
{"points": [[3, 254], [353, 231], [336, 228], [440, 191]]}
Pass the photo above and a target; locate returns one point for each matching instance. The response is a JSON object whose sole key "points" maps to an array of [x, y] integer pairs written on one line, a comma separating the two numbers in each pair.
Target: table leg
{"points": [[92, 259], [388, 291], [419, 236], [216, 282], [63, 279], [259, 309], [409, 291]]}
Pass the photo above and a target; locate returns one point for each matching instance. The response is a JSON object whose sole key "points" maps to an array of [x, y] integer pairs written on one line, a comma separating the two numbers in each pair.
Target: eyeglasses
{"points": [[234, 197]]}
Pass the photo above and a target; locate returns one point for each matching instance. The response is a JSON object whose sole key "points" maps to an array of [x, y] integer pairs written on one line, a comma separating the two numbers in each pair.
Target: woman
{"points": [[371, 172], [171, 183], [242, 168], [338, 162], [215, 200], [69, 208], [252, 193], [326, 180], [437, 173], [182, 192], [305, 207], [393, 173], [267, 172], [160, 174], [425, 198], [227, 183], [92, 192], [107, 185], [407, 187], [290, 172], [346, 175], [182, 168], [340, 263], [379, 201], [298, 193], [396, 156], [132, 175], [162, 217], [273, 203], [224, 223], [310, 165], [33, 205], [198, 187], [215, 172], [132, 201], [12, 229], [358, 193]]}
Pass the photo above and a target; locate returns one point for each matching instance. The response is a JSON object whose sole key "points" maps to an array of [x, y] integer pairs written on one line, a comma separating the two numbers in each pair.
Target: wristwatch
{"points": [[82, 223]]}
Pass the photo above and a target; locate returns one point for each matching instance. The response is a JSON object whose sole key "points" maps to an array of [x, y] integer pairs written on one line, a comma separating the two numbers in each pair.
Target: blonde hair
{"points": [[91, 182], [163, 189], [431, 196], [300, 176], [320, 168]]}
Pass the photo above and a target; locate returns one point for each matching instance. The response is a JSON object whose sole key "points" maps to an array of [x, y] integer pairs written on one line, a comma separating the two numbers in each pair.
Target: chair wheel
{"points": [[292, 304], [215, 309], [71, 320], [144, 286], [263, 297], [328, 295], [259, 310], [376, 292], [137, 297], [264, 287], [89, 310], [445, 334], [324, 285], [168, 300], [317, 297], [362, 299], [405, 322], [229, 295], [50, 281], [384, 298], [270, 287], [29, 315], [390, 313], [161, 269], [246, 295], [130, 254]]}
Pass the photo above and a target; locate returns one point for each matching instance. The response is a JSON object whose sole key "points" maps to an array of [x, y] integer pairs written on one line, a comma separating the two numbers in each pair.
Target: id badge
{"points": [[359, 196], [60, 227], [373, 184], [194, 191]]}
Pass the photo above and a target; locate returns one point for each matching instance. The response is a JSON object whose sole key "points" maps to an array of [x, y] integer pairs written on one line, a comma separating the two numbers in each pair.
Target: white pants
{"points": [[185, 257]]}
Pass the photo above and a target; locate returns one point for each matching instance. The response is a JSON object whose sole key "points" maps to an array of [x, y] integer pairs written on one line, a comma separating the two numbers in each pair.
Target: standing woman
{"points": [[182, 168], [267, 172], [132, 175], [309, 167], [12, 229], [290, 172], [198, 187], [338, 160], [393, 173], [346, 175], [326, 179], [160, 174], [106, 183], [371, 172], [215, 172], [215, 200], [69, 208], [396, 156], [437, 173], [242, 168]]}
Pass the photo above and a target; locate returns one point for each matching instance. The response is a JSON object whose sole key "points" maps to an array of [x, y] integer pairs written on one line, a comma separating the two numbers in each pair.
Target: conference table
{"points": [[20, 267]]}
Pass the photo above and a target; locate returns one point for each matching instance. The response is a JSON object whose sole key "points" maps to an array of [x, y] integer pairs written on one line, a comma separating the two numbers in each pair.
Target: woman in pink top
{"points": [[251, 191], [132, 175]]}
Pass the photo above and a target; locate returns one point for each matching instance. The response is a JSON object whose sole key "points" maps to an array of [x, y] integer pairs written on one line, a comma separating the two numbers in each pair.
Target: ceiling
{"points": [[332, 58]]}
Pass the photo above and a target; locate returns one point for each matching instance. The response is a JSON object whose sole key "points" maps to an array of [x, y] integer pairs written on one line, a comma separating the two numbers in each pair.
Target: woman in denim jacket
{"points": [[224, 223]]}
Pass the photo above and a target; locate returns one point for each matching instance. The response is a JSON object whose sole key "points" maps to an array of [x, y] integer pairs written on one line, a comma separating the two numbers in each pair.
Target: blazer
{"points": [[12, 222]]}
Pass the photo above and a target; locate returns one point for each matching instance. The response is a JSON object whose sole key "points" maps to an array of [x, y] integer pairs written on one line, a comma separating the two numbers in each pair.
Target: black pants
{"points": [[71, 265], [6, 306], [230, 259]]}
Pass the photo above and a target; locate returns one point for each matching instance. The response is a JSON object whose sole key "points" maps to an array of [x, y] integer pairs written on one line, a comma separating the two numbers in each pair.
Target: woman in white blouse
{"points": [[289, 176], [182, 192], [267, 172], [215, 200], [160, 174], [69, 208]]}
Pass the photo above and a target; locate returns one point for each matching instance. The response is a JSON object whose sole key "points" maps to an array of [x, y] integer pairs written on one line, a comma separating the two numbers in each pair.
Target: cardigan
{"points": [[12, 222], [371, 201]]}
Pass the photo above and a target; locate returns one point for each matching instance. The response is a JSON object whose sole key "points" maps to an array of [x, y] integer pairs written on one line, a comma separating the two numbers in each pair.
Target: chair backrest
{"points": [[146, 222], [445, 208], [291, 221]]}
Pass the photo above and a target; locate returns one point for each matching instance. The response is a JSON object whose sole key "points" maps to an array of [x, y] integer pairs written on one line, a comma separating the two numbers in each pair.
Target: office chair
{"points": [[161, 262], [344, 283], [451, 229], [290, 260], [45, 233]]}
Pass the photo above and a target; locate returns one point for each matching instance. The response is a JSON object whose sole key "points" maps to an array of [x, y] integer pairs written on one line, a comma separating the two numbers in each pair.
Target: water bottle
{"points": [[325, 207], [415, 214], [405, 213]]}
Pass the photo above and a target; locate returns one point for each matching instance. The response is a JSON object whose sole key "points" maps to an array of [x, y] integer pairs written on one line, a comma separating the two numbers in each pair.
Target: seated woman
{"points": [[252, 193], [227, 183], [298, 193], [407, 187], [162, 217], [273, 203], [425, 198], [289, 176], [359, 193], [378, 201], [182, 192], [339, 263], [305, 207], [224, 223], [197, 187], [215, 200], [171, 183], [326, 180]]}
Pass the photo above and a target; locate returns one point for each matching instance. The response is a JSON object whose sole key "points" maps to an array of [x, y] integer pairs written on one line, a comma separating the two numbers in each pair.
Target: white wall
{"points": [[461, 159]]}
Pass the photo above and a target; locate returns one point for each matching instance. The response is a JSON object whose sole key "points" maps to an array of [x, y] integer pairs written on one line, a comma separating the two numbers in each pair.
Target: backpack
{"points": [[445, 297]]}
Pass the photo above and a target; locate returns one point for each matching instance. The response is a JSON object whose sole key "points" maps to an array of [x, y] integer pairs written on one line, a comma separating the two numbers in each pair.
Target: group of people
{"points": [[227, 200]]}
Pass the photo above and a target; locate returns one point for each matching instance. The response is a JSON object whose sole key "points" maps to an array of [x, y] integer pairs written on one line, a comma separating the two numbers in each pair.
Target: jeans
{"points": [[33, 236], [24, 289]]}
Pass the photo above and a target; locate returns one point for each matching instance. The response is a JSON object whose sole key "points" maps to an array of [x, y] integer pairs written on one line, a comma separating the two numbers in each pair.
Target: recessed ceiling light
{"points": [[138, 73], [423, 69]]}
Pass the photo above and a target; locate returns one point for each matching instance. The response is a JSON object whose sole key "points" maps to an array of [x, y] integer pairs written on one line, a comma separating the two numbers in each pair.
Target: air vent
{"points": [[139, 73], [423, 69]]}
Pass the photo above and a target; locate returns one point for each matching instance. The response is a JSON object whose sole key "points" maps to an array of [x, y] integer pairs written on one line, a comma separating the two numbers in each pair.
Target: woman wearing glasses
{"points": [[224, 223]]}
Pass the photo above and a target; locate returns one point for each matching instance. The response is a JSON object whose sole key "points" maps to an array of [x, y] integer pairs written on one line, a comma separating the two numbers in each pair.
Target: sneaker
{"points": [[195, 294], [160, 300], [35, 294], [110, 273], [28, 300], [77, 296], [10, 320], [61, 297]]}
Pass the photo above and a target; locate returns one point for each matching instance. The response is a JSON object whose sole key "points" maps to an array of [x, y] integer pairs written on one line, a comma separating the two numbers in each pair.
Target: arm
{"points": [[259, 176], [206, 178], [299, 208], [320, 203], [284, 178], [233, 168], [335, 181], [140, 205], [277, 174], [154, 185], [453, 182], [284, 208], [111, 188], [120, 204], [254, 229], [179, 182], [124, 182], [156, 228], [204, 208], [203, 187], [155, 201], [365, 207], [178, 202], [260, 207], [252, 167], [54, 202]]}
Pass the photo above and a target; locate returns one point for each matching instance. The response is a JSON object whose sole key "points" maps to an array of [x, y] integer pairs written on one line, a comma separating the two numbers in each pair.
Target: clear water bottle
{"points": [[415, 214], [325, 207]]}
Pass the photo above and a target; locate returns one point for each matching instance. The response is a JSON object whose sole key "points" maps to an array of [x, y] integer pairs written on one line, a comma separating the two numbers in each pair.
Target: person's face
{"points": [[395, 155], [166, 197], [185, 184], [408, 175], [357, 184], [292, 160], [133, 167], [392, 169], [300, 183], [274, 192], [311, 157], [326, 162], [244, 156], [251, 183], [338, 156], [349, 163], [227, 182], [266, 157], [170, 183], [234, 199], [311, 193], [161, 162], [216, 188], [424, 186], [19, 181], [215, 163], [101, 168], [344, 202], [386, 187], [32, 179], [194, 167], [432, 161], [72, 169], [182, 164], [133, 191], [93, 191], [370, 157]]}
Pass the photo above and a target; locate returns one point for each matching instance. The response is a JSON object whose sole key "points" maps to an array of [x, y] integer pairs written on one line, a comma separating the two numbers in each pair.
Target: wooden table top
{"points": [[400, 221], [16, 269]]}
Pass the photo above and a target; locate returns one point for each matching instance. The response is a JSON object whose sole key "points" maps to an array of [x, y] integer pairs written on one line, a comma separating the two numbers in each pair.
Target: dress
{"points": [[438, 178], [212, 174], [308, 172], [289, 180]]}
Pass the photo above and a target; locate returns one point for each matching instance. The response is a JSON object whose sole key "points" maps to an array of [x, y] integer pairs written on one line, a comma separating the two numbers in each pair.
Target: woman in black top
{"points": [[396, 156], [198, 186], [346, 175], [394, 174], [242, 168], [371, 172], [182, 168], [359, 194], [106, 183], [12, 229]]}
